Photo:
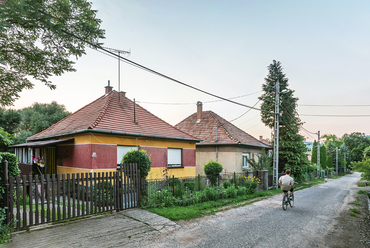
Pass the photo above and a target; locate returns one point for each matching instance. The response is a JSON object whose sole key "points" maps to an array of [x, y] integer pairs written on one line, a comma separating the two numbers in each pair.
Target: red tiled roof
{"points": [[227, 133], [108, 114]]}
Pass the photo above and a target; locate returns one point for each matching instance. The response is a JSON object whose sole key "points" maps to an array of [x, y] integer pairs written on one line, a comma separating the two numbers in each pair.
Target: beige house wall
{"points": [[231, 157]]}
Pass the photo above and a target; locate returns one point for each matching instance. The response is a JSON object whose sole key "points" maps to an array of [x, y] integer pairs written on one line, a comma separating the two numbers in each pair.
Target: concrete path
{"points": [[123, 229]]}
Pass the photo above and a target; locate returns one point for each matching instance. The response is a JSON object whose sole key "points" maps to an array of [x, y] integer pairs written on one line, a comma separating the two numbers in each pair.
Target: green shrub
{"points": [[227, 184], [190, 185], [5, 233], [13, 170], [213, 170], [212, 193], [242, 191], [133, 157], [232, 191]]}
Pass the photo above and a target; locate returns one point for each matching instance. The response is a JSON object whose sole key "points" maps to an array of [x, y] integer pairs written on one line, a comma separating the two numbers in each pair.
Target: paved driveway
{"points": [[124, 229]]}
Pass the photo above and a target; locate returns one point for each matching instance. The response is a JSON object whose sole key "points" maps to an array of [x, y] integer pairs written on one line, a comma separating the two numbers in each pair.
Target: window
{"points": [[174, 158], [245, 161], [122, 150]]}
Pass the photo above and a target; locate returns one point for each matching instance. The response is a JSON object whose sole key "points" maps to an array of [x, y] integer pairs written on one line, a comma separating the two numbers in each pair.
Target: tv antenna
{"points": [[119, 66]]}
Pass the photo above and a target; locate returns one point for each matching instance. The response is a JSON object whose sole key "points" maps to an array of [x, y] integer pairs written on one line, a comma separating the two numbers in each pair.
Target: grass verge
{"points": [[212, 207]]}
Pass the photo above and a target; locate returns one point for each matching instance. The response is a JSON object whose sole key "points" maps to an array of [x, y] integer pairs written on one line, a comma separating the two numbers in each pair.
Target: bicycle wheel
{"points": [[285, 201], [291, 202]]}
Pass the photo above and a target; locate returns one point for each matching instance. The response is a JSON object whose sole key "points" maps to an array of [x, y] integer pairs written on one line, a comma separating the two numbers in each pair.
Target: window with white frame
{"points": [[174, 158], [122, 150], [245, 161]]}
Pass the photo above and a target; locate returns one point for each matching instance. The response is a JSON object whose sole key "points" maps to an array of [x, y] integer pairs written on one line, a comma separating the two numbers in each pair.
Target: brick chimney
{"points": [[199, 110], [108, 88]]}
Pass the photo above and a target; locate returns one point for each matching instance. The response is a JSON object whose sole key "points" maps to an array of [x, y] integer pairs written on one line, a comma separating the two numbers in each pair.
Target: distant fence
{"points": [[34, 200]]}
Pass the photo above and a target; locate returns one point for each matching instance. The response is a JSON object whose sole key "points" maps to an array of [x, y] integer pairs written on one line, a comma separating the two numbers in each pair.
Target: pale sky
{"points": [[224, 47]]}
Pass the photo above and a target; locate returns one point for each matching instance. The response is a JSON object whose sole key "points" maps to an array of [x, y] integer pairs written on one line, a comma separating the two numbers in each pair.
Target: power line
{"points": [[336, 115], [188, 103], [155, 72], [332, 105], [245, 112]]}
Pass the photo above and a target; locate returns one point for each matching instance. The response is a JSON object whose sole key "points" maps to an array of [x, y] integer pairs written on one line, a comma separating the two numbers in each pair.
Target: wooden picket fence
{"points": [[35, 200]]}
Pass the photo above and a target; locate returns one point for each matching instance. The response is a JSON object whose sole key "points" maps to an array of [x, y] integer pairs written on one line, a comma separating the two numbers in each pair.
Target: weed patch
{"points": [[354, 210]]}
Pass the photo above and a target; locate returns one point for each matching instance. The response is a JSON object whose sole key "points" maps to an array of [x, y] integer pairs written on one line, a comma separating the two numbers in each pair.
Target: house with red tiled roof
{"points": [[221, 141], [94, 139]]}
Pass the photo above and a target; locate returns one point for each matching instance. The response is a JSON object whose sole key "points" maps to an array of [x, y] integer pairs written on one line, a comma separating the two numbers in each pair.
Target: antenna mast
{"points": [[119, 66]]}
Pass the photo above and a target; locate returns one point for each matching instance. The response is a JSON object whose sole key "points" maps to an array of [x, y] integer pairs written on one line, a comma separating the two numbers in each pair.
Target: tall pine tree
{"points": [[314, 153], [291, 147]]}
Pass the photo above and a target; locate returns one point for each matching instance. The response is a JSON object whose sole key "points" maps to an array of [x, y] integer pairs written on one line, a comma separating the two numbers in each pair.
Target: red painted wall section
{"points": [[158, 155], [80, 156], [106, 156], [188, 157]]}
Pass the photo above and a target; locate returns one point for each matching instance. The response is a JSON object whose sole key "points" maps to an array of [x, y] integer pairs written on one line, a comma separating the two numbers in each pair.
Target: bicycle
{"points": [[287, 199]]}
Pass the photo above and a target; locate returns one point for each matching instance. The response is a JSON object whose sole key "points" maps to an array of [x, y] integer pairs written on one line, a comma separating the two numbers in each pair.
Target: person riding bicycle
{"points": [[286, 183]]}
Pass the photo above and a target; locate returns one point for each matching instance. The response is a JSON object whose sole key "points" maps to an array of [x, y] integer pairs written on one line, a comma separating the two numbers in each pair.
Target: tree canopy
{"points": [[291, 146], [37, 39], [356, 143]]}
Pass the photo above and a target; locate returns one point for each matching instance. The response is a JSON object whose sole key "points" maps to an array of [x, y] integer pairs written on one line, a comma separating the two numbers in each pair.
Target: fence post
{"points": [[198, 182], [173, 185], [6, 193], [234, 179]]}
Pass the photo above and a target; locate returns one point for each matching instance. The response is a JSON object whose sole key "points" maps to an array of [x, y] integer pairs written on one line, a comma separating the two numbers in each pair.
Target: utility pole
{"points": [[344, 163], [336, 162], [276, 136], [318, 156], [119, 66]]}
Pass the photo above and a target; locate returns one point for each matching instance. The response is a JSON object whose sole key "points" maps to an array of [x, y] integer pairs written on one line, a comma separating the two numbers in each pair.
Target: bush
{"points": [[212, 194], [363, 166], [5, 233], [13, 170], [227, 184], [190, 185], [242, 191], [133, 157], [213, 170], [232, 191]]}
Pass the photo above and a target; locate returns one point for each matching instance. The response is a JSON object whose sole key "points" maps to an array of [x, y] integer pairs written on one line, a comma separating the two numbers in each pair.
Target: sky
{"points": [[224, 47]]}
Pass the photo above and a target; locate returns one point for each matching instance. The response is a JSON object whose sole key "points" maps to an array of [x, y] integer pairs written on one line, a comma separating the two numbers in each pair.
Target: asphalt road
{"points": [[265, 223]]}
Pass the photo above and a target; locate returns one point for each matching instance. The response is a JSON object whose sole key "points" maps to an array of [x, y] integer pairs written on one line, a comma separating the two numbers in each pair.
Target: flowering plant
{"points": [[37, 160]]}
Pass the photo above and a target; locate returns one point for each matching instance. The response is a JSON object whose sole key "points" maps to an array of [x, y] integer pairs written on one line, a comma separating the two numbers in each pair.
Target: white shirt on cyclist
{"points": [[286, 182]]}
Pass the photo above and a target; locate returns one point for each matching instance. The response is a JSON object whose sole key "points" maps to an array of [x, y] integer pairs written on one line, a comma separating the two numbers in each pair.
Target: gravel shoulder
{"points": [[351, 229]]}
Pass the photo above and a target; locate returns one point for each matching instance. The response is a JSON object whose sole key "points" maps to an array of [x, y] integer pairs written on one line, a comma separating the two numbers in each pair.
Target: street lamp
{"points": [[276, 134]]}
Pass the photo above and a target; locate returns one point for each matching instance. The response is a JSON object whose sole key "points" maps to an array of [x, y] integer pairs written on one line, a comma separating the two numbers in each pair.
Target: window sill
{"points": [[177, 167]]}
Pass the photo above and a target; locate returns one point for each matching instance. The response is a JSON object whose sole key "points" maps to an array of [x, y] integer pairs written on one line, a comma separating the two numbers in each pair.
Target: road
{"points": [[261, 224], [265, 223]]}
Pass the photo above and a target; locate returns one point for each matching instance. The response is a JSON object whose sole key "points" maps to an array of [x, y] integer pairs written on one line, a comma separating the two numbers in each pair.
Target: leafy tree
{"points": [[332, 138], [323, 158], [367, 152], [330, 162], [39, 117], [5, 140], [133, 157], [263, 162], [9, 120], [213, 169], [314, 153], [291, 146], [356, 143], [37, 39]]}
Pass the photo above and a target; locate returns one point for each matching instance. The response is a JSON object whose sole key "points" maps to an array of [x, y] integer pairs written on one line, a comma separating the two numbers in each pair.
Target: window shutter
{"points": [[174, 157]]}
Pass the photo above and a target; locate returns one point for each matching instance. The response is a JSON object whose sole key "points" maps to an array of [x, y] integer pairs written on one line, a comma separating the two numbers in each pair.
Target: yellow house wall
{"points": [[96, 138]]}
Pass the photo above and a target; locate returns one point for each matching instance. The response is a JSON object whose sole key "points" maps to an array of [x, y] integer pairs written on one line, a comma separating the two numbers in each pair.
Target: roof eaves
{"points": [[233, 144], [113, 132]]}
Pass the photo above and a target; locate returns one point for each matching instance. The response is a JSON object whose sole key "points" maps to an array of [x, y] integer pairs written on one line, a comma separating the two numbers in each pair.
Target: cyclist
{"points": [[286, 183]]}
